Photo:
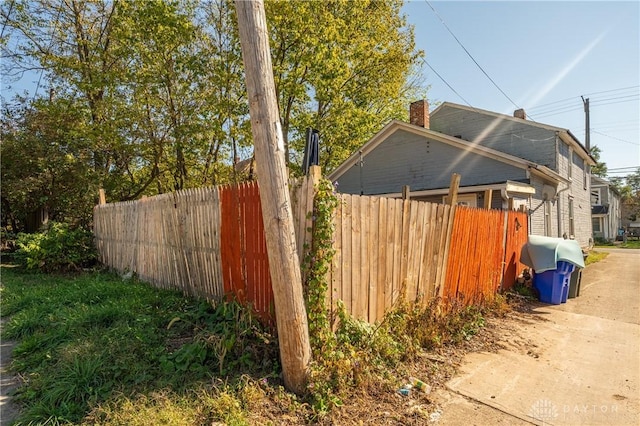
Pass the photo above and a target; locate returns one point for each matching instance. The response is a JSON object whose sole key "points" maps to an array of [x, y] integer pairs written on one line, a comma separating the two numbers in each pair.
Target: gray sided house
{"points": [[606, 213], [504, 162]]}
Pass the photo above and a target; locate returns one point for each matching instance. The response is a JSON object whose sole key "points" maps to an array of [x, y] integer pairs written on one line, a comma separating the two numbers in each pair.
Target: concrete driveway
{"points": [[572, 364]]}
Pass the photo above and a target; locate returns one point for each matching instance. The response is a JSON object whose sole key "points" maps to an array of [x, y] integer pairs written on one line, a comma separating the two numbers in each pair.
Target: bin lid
{"points": [[544, 253]]}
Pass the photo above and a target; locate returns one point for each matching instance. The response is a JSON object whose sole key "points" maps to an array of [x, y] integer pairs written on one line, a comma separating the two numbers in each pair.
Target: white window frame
{"points": [[598, 196], [572, 224], [585, 174], [570, 171]]}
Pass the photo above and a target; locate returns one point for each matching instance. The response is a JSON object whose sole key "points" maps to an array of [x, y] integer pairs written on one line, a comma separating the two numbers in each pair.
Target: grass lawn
{"points": [[630, 244], [92, 347]]}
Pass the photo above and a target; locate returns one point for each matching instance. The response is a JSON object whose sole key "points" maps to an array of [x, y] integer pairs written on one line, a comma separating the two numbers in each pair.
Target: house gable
{"points": [[522, 138], [423, 160]]}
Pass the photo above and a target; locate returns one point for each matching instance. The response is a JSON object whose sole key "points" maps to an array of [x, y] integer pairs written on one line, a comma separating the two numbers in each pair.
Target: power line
{"points": [[635, 96], [554, 105], [622, 168], [613, 137], [573, 98], [562, 111], [469, 54], [4, 25], [612, 90], [448, 85], [596, 103]]}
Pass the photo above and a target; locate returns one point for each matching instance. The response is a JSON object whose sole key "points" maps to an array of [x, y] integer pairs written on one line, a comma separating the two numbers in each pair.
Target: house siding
{"points": [[538, 210], [539, 145], [612, 221], [512, 137], [581, 194], [409, 159]]}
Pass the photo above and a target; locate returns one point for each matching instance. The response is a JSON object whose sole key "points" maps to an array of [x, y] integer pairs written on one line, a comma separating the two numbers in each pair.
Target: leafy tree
{"points": [[631, 196], [340, 67], [629, 190], [46, 162], [600, 169], [147, 97]]}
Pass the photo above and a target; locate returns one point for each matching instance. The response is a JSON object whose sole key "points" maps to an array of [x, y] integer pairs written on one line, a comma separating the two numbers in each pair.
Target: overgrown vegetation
{"points": [[357, 354], [630, 244], [58, 248], [89, 341], [595, 256], [95, 349]]}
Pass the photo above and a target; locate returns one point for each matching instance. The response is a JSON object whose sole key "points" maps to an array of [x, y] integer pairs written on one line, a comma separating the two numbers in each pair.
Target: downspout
{"points": [[559, 210], [559, 214]]}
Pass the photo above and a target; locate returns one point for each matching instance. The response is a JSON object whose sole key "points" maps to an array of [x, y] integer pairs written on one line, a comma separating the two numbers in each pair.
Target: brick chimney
{"points": [[519, 113], [419, 113]]}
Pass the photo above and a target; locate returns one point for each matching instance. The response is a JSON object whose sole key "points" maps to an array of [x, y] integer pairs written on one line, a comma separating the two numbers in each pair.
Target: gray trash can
{"points": [[574, 283]]}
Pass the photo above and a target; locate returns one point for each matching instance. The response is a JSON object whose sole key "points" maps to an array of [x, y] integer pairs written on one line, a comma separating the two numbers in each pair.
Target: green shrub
{"points": [[59, 248], [599, 241]]}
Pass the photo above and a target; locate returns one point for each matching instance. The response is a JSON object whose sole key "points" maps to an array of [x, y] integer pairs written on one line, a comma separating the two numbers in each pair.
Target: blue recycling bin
{"points": [[553, 285]]}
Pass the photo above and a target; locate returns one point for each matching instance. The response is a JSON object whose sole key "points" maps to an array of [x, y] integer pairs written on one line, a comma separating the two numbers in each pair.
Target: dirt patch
{"points": [[382, 404], [385, 406]]}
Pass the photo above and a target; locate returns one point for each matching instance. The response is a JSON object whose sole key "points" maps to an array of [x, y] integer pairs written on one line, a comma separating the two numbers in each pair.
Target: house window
{"points": [[595, 197], [468, 200], [585, 175], [596, 222], [570, 172], [572, 228]]}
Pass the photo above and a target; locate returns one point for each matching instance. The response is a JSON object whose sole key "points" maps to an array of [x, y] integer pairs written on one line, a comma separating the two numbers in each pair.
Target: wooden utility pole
{"points": [[587, 127], [291, 316]]}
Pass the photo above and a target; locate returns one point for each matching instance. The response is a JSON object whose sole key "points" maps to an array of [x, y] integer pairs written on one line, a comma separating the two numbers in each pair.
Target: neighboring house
{"points": [[504, 162], [606, 214]]}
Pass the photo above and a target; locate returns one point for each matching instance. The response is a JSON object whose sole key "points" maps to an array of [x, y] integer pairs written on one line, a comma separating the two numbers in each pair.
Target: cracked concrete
{"points": [[582, 365]]}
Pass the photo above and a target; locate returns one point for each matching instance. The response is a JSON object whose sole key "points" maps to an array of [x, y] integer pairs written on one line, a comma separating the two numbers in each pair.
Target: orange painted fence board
{"points": [[245, 264], [517, 236], [484, 254]]}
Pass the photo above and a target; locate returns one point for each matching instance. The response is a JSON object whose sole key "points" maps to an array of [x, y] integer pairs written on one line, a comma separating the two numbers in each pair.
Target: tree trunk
{"points": [[291, 316]]}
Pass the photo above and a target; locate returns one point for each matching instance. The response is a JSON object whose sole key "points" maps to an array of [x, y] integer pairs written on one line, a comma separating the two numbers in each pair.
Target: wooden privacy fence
{"points": [[207, 242], [385, 248], [171, 240], [210, 242], [484, 254]]}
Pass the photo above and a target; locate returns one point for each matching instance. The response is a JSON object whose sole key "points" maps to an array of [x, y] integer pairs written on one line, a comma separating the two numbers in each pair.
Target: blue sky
{"points": [[544, 56]]}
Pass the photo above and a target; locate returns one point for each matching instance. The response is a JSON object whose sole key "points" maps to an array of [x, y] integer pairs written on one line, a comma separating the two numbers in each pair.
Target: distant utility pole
{"points": [[286, 279], [587, 127]]}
